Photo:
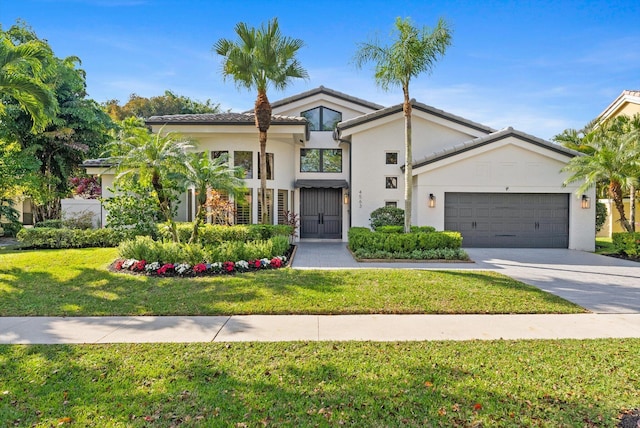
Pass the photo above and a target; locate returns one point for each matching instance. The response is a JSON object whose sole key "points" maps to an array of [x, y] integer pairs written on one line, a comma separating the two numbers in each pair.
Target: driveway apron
{"points": [[598, 283]]}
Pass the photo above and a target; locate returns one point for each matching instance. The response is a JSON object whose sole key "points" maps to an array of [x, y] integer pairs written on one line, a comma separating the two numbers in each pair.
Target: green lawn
{"points": [[566, 383], [77, 283], [605, 246]]}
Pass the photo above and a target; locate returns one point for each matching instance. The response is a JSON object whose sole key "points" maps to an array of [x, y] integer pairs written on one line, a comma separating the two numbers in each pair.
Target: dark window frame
{"points": [[321, 117], [391, 182], [321, 161], [393, 161]]}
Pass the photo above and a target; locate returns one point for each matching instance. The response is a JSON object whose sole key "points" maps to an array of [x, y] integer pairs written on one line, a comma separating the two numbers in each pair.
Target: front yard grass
{"points": [[564, 383], [77, 283]]}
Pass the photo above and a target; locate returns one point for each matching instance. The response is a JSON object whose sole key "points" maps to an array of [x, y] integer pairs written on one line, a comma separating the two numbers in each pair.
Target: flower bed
{"points": [[199, 269]]}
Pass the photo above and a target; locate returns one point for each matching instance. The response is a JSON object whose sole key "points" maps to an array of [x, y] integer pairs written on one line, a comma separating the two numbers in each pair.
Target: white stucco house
{"points": [[334, 158]]}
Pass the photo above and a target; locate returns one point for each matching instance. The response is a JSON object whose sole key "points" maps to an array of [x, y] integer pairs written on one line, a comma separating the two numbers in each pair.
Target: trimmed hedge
{"points": [[213, 233], [145, 248], [627, 243], [361, 238], [47, 237]]}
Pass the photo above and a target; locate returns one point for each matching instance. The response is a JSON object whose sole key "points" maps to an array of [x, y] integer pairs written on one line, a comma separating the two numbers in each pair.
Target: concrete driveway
{"points": [[598, 283]]}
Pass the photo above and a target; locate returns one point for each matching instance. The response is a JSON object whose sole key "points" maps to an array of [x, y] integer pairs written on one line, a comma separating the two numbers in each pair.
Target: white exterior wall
{"points": [[369, 170], [509, 165]]}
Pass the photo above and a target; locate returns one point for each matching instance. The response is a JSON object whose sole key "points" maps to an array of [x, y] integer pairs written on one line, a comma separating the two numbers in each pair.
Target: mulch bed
{"points": [[629, 419]]}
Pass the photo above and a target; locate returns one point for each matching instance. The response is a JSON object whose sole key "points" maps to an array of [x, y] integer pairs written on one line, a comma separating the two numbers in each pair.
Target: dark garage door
{"points": [[509, 220]]}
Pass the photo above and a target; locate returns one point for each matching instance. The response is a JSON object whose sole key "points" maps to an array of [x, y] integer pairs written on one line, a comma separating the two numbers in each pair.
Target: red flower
{"points": [[228, 266], [199, 268], [257, 264], [118, 265], [276, 262], [165, 267], [139, 266]]}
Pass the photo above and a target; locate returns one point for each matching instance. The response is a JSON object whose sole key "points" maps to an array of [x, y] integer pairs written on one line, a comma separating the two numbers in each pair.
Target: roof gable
{"points": [[326, 91], [492, 138], [429, 110], [626, 97]]}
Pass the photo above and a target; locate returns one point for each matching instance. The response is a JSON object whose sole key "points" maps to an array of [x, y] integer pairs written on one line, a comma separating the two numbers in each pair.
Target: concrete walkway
{"points": [[277, 328]]}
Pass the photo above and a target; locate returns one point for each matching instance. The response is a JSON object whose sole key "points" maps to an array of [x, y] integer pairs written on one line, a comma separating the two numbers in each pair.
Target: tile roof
{"points": [[327, 91], [416, 106], [221, 119], [493, 137], [100, 162], [626, 95]]}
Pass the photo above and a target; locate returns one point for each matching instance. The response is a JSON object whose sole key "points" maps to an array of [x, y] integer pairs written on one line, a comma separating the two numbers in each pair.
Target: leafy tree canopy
{"points": [[78, 130], [169, 103]]}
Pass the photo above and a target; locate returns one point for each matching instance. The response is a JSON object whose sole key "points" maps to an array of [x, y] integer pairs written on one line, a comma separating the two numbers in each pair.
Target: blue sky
{"points": [[539, 66]]}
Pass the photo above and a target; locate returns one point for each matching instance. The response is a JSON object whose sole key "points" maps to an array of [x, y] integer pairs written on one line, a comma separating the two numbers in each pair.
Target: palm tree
{"points": [[413, 52], [22, 68], [204, 173], [153, 159], [260, 58], [612, 160]]}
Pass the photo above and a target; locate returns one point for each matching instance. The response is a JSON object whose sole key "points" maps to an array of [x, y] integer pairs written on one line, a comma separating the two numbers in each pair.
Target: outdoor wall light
{"points": [[432, 200], [586, 202], [346, 198]]}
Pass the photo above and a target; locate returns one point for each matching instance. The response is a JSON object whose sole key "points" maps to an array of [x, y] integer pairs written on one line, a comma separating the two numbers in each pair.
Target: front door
{"points": [[321, 213]]}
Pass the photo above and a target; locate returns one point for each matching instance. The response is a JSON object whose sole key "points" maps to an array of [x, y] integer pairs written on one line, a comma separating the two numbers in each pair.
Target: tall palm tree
{"points": [[260, 58], [612, 160], [413, 52], [153, 159], [204, 173], [22, 68]]}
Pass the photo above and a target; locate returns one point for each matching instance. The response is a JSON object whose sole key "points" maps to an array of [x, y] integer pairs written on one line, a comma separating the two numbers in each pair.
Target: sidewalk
{"points": [[278, 328]]}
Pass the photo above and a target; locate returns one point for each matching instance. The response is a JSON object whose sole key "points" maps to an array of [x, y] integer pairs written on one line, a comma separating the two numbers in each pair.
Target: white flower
{"points": [[265, 262], [182, 268], [152, 267], [242, 264], [128, 263]]}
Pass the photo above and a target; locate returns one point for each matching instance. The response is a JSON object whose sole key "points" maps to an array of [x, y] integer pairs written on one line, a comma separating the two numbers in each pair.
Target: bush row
{"points": [[431, 254], [212, 233], [361, 238], [46, 237], [627, 243], [145, 248]]}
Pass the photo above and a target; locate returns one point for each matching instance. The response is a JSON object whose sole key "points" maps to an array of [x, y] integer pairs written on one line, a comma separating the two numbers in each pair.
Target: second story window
{"points": [[320, 160], [322, 118]]}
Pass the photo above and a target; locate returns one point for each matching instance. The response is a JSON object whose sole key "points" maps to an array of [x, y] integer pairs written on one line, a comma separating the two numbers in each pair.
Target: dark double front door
{"points": [[320, 213]]}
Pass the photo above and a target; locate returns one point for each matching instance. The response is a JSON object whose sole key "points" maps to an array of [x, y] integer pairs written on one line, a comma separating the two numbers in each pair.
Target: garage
{"points": [[509, 220]]}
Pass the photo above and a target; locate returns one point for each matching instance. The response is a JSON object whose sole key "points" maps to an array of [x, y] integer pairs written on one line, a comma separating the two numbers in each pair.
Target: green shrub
{"points": [[400, 245], [390, 229], [387, 216], [43, 237], [601, 215], [423, 229], [11, 229], [214, 233], [140, 248], [53, 224], [627, 243]]}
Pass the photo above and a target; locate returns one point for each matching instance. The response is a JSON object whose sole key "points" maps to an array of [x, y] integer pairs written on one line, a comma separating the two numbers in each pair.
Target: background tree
{"points": [[413, 51], [205, 174], [610, 159], [260, 58], [23, 69], [169, 103], [157, 160], [77, 130]]}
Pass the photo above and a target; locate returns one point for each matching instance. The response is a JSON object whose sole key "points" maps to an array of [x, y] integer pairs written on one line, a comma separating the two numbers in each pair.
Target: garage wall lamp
{"points": [[432, 200], [346, 198], [585, 202]]}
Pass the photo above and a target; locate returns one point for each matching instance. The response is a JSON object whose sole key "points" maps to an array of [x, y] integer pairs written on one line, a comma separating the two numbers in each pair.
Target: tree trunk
{"points": [[165, 205], [408, 170], [263, 121], [632, 207], [200, 215], [615, 193]]}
